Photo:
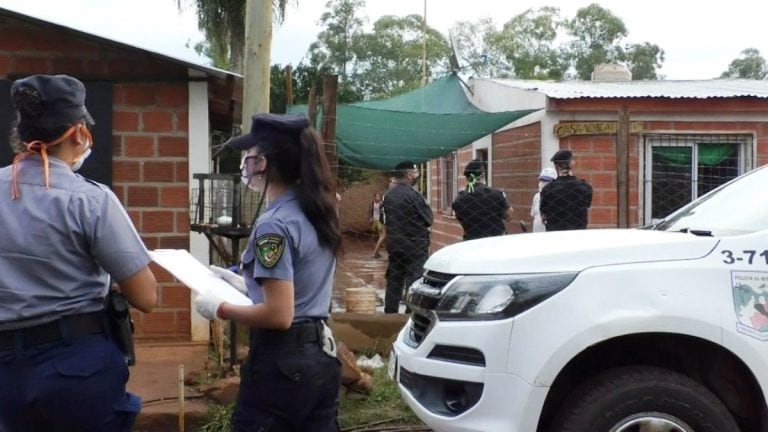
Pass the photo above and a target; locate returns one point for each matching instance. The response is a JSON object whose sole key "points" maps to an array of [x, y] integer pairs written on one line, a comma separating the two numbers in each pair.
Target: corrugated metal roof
{"points": [[692, 89], [209, 70]]}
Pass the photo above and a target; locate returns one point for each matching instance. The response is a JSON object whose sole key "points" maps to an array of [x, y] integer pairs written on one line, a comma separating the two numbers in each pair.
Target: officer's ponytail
{"points": [[315, 190]]}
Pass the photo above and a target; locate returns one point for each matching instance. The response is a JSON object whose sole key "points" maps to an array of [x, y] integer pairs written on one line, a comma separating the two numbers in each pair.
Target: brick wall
{"points": [[150, 153]]}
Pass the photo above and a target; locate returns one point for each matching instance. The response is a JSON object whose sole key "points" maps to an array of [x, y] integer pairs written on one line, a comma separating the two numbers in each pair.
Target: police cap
{"points": [[562, 156], [47, 102], [405, 165], [269, 129]]}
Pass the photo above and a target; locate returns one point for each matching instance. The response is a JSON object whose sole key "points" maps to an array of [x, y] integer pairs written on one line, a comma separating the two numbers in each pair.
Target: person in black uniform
{"points": [[64, 238], [480, 209], [290, 380], [408, 218], [565, 201]]}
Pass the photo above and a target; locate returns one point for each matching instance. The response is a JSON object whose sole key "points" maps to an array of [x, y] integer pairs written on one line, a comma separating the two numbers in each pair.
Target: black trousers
{"points": [[404, 267]]}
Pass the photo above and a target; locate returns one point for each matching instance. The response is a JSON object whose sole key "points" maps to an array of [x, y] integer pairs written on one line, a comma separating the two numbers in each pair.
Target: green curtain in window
{"points": [[709, 154], [715, 154]]}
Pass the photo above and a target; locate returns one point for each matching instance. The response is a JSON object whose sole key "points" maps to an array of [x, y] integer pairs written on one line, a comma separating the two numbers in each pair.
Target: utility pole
{"points": [[424, 48], [258, 46]]}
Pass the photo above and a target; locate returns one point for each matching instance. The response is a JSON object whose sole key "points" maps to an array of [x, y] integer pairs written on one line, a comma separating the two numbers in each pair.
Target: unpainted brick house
{"points": [[685, 138], [154, 116]]}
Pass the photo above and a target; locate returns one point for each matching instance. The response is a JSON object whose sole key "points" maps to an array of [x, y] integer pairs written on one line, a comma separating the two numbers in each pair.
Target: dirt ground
{"points": [[156, 374]]}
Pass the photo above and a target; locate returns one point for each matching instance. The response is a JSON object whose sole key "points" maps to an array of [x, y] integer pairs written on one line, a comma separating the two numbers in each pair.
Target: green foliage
{"points": [[526, 46], [643, 60], [223, 23], [389, 59], [384, 405], [526, 41], [597, 32], [341, 28], [218, 418], [750, 65]]}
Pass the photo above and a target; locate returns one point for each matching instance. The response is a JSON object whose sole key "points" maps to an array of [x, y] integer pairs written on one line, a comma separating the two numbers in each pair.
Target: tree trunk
{"points": [[258, 46]]}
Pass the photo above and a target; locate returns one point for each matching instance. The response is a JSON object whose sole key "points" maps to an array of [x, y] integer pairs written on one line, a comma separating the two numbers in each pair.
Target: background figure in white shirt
{"points": [[546, 176]]}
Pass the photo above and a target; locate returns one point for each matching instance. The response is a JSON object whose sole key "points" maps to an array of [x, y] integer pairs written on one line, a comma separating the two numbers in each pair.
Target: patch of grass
{"points": [[218, 418], [384, 406]]}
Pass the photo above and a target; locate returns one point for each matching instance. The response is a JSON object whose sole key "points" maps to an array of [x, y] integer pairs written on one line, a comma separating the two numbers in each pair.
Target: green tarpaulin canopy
{"points": [[421, 125]]}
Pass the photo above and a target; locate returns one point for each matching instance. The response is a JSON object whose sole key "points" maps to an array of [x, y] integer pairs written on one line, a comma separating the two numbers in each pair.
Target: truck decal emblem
{"points": [[750, 301]]}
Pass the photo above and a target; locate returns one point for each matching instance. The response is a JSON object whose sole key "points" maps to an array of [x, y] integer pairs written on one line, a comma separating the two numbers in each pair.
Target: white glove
{"points": [[329, 344], [208, 305], [231, 278]]}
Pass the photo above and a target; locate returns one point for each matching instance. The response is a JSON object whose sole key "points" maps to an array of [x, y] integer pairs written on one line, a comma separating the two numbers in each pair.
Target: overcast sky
{"points": [[700, 38]]}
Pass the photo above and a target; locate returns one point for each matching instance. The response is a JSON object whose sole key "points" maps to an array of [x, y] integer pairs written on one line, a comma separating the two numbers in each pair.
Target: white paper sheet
{"points": [[196, 276]]}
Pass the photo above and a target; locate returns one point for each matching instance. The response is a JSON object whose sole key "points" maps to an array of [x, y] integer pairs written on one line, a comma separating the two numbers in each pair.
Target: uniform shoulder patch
{"points": [[269, 249]]}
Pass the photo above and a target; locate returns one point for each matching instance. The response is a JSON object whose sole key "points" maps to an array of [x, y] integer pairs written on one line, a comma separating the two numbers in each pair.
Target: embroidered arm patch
{"points": [[269, 248]]}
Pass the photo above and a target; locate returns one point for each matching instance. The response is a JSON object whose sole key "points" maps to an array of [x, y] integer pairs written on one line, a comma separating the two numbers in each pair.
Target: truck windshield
{"points": [[737, 207]]}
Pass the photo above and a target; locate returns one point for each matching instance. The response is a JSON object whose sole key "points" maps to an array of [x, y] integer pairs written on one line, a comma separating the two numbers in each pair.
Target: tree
{"points": [[527, 42], [476, 50], [223, 24], [389, 58], [643, 60], [597, 32], [750, 65], [341, 27]]}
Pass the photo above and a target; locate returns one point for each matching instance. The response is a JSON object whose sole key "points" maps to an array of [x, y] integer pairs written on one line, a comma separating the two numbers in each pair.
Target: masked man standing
{"points": [[408, 218]]}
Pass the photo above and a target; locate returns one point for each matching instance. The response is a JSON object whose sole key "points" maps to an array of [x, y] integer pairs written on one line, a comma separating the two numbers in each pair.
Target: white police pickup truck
{"points": [[656, 329]]}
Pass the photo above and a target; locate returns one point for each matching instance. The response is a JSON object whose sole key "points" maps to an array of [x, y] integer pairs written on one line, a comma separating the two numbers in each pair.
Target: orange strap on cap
{"points": [[37, 147]]}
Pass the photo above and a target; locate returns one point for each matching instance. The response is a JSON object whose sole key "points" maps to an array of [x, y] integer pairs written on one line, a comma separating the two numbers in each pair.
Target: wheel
{"points": [[643, 399]]}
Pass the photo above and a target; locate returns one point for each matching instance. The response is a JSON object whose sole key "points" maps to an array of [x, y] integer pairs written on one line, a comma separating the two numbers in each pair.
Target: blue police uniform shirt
{"points": [[284, 245], [59, 246]]}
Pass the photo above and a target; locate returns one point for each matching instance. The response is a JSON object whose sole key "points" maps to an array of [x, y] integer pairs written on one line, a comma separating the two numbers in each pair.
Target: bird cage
{"points": [[221, 205]]}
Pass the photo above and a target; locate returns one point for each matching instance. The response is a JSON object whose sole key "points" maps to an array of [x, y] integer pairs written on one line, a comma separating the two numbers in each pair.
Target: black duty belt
{"points": [[298, 334], [54, 331]]}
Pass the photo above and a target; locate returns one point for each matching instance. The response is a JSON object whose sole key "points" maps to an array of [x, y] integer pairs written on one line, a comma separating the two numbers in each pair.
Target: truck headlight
{"points": [[498, 297]]}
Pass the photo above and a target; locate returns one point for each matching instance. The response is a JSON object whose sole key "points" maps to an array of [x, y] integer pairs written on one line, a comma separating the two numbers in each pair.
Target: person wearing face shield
{"points": [[65, 238], [546, 176], [408, 218], [290, 380]]}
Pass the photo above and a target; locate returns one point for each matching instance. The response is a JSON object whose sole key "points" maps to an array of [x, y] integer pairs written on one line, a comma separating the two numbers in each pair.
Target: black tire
{"points": [[611, 398]]}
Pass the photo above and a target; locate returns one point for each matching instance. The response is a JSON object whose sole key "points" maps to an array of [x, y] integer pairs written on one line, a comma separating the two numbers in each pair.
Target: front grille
{"points": [[455, 354], [423, 298]]}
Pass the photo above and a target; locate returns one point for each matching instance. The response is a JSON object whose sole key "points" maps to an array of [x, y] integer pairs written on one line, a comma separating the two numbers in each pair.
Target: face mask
{"points": [[79, 163]]}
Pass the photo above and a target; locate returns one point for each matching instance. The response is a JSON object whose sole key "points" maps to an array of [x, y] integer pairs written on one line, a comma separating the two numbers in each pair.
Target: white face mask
{"points": [[79, 163]]}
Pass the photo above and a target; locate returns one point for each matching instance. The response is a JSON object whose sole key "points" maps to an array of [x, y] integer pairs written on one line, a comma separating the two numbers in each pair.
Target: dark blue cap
{"points": [[49, 101], [405, 165], [562, 156], [267, 129]]}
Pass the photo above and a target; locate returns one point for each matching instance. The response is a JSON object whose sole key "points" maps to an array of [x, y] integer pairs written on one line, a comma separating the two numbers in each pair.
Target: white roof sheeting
{"points": [[692, 89]]}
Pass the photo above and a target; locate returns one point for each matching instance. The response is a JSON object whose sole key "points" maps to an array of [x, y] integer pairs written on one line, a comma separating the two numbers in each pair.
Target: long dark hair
{"points": [[304, 163]]}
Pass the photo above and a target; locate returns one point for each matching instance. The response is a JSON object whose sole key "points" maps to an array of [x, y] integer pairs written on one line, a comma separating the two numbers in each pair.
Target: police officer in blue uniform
{"points": [[481, 210], [63, 237], [290, 380], [565, 201]]}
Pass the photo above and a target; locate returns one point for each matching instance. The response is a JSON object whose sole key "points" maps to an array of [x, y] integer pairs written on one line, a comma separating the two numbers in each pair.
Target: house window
{"points": [[448, 181], [681, 168]]}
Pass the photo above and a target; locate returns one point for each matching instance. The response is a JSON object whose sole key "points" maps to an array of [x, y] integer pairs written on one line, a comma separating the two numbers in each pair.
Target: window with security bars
{"points": [[681, 168], [448, 181]]}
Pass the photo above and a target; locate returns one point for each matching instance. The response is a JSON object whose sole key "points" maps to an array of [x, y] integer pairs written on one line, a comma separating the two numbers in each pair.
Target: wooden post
{"points": [[181, 398], [288, 86], [622, 169], [312, 108], [258, 45], [330, 86]]}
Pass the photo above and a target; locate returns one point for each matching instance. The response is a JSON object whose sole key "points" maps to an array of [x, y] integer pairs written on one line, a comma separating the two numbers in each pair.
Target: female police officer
{"points": [[290, 381], [63, 237]]}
